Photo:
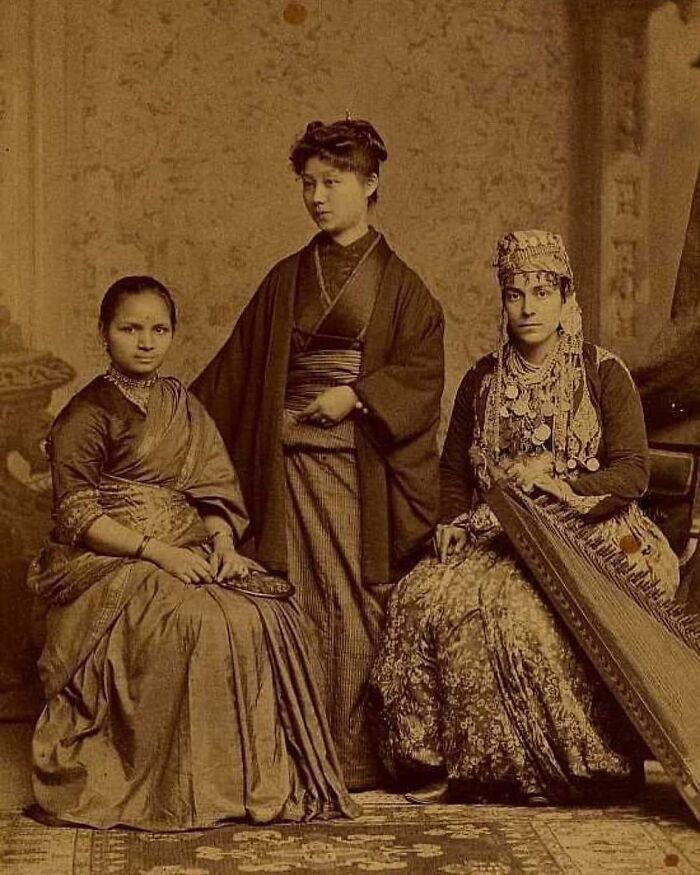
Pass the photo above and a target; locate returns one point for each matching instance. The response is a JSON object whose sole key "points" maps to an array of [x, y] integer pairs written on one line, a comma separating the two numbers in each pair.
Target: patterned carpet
{"points": [[391, 837]]}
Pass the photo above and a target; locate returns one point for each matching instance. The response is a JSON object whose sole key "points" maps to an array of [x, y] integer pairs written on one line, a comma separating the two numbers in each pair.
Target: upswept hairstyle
{"points": [[351, 144]]}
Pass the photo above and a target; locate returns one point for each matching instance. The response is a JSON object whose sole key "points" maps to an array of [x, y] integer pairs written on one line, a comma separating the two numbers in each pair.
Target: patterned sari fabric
{"points": [[169, 706], [477, 677]]}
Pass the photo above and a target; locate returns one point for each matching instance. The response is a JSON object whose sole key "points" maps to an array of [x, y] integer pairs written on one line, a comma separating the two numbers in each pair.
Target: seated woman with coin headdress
{"points": [[478, 681]]}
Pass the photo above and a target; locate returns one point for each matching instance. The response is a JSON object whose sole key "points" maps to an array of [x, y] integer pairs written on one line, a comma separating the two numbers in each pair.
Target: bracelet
{"points": [[142, 546]]}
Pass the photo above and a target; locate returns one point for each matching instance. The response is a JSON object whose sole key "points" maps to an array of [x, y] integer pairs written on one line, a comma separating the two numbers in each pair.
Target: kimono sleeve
{"points": [[625, 475], [77, 448], [230, 386], [456, 477], [402, 397]]}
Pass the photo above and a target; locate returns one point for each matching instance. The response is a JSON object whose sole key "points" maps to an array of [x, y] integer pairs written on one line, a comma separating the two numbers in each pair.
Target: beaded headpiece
{"points": [[526, 251]]}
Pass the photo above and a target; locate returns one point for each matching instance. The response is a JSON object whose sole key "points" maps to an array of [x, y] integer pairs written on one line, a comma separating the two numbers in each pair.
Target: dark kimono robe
{"points": [[340, 510], [477, 678], [169, 706], [400, 382]]}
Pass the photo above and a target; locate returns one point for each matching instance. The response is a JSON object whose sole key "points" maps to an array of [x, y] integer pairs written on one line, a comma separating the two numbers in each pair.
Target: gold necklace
{"points": [[528, 372], [135, 389]]}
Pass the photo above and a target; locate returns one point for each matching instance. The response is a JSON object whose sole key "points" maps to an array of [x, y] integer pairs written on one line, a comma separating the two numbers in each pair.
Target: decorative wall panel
{"points": [[179, 116]]}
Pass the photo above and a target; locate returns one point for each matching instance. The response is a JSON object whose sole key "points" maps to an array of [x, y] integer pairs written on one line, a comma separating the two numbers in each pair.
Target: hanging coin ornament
{"points": [[542, 432], [533, 411], [521, 407], [592, 464]]}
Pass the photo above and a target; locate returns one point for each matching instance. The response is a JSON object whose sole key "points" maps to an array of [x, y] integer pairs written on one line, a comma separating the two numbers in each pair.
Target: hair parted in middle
{"points": [[134, 285], [348, 144]]}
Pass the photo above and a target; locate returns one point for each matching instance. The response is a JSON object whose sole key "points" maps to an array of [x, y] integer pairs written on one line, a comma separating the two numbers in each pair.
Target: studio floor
{"points": [[655, 835]]}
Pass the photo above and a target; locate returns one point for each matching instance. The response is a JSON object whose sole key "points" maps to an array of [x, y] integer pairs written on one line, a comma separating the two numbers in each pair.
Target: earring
{"points": [[570, 320]]}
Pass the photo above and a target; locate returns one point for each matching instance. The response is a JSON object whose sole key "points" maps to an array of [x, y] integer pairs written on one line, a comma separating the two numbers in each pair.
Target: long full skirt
{"points": [[479, 681], [199, 705]]}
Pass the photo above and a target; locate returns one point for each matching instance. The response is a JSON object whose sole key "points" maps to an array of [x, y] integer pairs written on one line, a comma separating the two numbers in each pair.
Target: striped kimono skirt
{"points": [[323, 545]]}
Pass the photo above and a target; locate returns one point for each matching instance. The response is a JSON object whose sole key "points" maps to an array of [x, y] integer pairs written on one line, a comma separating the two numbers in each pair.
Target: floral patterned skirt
{"points": [[478, 679]]}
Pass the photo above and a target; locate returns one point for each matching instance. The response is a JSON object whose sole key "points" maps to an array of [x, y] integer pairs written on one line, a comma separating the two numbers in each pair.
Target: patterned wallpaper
{"points": [[179, 115]]}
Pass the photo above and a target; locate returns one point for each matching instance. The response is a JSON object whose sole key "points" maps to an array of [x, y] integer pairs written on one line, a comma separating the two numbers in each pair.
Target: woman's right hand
{"points": [[450, 540], [186, 565]]}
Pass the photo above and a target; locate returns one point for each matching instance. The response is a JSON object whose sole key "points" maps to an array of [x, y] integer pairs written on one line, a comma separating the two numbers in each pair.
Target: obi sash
{"points": [[327, 347]]}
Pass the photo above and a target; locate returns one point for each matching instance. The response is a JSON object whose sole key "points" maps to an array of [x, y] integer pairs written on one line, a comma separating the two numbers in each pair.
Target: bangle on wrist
{"points": [[142, 546]]}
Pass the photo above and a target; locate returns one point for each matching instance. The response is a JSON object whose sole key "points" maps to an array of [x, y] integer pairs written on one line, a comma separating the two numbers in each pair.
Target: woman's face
{"points": [[336, 199], [140, 334], [533, 304]]}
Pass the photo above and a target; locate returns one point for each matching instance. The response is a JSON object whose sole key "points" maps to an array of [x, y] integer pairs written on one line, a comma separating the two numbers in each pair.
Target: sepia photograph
{"points": [[350, 437]]}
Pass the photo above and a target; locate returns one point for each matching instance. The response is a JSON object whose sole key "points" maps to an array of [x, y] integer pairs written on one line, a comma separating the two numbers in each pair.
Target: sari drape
{"points": [[169, 706]]}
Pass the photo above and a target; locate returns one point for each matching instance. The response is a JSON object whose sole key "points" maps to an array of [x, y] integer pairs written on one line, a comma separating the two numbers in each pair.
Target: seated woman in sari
{"points": [[180, 687], [478, 681]]}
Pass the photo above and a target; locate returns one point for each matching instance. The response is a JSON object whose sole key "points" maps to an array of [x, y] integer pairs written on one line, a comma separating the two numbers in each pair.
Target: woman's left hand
{"points": [[525, 472], [330, 407], [227, 563], [559, 489]]}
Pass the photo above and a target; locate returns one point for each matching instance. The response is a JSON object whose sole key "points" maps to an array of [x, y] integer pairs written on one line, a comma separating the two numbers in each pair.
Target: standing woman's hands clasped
{"points": [[330, 407]]}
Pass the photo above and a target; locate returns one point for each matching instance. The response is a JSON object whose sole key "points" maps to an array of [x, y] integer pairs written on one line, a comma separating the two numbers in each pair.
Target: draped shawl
{"points": [[158, 482]]}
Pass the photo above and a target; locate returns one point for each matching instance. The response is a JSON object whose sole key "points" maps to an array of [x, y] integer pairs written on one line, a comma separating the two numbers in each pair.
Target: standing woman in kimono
{"points": [[180, 690], [327, 395]]}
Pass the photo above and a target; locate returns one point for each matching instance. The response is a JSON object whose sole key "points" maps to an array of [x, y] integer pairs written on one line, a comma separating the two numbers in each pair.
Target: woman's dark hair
{"points": [[134, 285], [352, 144]]}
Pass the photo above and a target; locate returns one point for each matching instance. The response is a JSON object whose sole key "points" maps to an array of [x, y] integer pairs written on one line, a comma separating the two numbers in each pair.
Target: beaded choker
{"points": [[135, 389], [116, 376]]}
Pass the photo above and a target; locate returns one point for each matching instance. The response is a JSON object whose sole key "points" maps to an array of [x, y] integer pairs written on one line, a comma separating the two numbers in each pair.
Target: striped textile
{"points": [[311, 372], [323, 542]]}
